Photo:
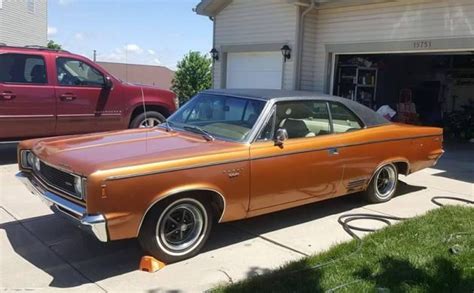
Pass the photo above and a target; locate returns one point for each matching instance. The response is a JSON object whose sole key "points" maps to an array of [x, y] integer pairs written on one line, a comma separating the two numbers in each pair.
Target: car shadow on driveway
{"points": [[8, 153], [95, 261], [457, 162]]}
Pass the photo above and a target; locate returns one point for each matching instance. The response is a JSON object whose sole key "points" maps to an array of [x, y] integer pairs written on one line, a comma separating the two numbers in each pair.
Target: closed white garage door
{"points": [[254, 70]]}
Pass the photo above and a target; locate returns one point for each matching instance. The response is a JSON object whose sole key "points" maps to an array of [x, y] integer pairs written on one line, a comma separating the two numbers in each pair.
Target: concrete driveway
{"points": [[41, 251]]}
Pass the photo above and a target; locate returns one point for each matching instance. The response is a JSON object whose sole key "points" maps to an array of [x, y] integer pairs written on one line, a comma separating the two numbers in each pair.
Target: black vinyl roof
{"points": [[369, 117]]}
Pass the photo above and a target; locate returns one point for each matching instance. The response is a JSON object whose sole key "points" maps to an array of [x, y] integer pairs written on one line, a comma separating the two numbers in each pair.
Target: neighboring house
{"points": [[159, 76], [374, 51], [24, 22]]}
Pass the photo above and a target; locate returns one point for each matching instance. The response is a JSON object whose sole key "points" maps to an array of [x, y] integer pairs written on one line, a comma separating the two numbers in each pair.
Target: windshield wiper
{"points": [[199, 130], [168, 126]]}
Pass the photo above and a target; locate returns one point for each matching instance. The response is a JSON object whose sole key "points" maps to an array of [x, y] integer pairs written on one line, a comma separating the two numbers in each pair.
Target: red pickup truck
{"points": [[47, 92]]}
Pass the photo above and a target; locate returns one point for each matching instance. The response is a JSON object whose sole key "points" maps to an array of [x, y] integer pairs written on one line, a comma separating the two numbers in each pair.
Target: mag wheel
{"points": [[147, 120], [383, 185], [176, 230]]}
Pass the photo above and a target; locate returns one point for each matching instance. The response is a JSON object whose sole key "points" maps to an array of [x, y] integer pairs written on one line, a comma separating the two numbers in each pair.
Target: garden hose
{"points": [[436, 199], [344, 220]]}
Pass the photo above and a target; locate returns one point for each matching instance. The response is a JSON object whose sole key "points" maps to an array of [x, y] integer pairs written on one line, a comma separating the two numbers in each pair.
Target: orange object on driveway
{"points": [[151, 264]]}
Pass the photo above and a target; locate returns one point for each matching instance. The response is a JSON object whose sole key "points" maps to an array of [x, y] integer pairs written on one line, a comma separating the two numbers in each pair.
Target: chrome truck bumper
{"points": [[95, 224]]}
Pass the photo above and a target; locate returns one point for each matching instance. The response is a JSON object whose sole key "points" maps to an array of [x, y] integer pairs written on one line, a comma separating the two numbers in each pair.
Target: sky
{"points": [[154, 32]]}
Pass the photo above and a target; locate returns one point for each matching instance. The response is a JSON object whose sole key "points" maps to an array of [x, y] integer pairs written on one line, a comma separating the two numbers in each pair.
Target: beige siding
{"points": [[392, 21], [247, 22], [19, 27]]}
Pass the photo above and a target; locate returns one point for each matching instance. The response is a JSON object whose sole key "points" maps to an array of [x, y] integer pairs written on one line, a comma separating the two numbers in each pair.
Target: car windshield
{"points": [[219, 116]]}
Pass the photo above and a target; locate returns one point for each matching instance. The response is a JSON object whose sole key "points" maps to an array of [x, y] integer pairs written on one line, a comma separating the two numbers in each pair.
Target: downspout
{"points": [[213, 19], [300, 43]]}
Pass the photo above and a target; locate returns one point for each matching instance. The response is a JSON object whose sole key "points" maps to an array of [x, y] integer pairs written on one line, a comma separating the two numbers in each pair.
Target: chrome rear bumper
{"points": [[95, 224]]}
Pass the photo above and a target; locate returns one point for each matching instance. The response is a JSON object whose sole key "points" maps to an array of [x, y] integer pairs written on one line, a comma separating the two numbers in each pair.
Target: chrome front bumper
{"points": [[95, 224]]}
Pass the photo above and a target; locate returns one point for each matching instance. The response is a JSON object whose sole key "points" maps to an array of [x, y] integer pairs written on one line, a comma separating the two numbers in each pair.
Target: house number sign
{"points": [[422, 44]]}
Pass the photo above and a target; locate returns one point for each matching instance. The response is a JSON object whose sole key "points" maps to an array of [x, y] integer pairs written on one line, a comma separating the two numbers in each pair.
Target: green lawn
{"points": [[431, 253]]}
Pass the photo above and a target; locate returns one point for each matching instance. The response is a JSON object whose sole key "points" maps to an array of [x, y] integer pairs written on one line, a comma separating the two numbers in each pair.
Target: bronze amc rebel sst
{"points": [[225, 155]]}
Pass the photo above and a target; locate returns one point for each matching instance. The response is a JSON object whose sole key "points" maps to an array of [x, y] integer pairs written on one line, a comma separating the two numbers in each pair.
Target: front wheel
{"points": [[147, 119], [383, 185], [176, 229]]}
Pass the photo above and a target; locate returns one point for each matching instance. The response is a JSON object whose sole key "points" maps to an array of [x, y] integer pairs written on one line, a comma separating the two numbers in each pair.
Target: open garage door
{"points": [[435, 88], [254, 70]]}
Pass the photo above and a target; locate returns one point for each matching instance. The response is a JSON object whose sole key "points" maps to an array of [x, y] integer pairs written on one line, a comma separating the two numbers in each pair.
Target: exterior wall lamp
{"points": [[214, 54], [286, 52]]}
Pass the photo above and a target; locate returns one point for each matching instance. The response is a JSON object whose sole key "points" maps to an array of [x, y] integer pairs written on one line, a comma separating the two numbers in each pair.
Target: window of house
{"points": [[72, 72], [21, 68], [299, 118], [343, 119]]}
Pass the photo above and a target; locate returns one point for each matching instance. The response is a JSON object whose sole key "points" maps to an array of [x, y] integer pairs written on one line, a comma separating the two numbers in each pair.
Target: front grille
{"points": [[58, 179]]}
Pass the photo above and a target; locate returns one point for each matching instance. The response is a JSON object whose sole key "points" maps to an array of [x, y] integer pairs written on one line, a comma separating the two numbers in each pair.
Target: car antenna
{"points": [[144, 111]]}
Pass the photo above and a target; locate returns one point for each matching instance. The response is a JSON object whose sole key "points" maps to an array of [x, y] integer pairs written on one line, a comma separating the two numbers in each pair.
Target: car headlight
{"points": [[37, 163], [79, 186], [27, 159]]}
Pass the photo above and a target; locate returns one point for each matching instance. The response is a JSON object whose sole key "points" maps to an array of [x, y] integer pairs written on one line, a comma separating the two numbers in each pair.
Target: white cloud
{"points": [[130, 54], [52, 31], [79, 36], [133, 48]]}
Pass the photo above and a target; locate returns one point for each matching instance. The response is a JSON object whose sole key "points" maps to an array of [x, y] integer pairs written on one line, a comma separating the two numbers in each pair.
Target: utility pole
{"points": [[95, 55]]}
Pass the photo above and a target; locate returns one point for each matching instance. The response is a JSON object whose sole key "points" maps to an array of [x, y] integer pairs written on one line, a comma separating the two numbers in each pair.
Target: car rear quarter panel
{"points": [[364, 151]]}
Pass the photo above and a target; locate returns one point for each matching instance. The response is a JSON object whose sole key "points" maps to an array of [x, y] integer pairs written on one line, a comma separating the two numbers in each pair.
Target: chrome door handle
{"points": [[7, 96], [67, 97], [333, 151]]}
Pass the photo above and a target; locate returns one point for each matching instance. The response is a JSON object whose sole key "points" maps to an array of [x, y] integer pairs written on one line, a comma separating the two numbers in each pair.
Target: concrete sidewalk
{"points": [[41, 251]]}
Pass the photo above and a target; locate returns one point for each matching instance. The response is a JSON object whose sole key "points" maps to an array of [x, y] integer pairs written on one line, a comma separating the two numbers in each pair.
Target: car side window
{"points": [[343, 120], [22, 68], [300, 119], [72, 72]]}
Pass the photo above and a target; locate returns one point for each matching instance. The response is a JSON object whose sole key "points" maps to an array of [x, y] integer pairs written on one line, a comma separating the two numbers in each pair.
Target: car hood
{"points": [[85, 154]]}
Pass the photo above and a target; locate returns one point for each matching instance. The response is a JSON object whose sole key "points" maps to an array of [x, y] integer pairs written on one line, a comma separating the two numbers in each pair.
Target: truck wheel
{"points": [[147, 119], [383, 185], [176, 229]]}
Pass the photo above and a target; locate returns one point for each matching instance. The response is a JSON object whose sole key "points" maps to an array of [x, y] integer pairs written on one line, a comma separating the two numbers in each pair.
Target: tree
{"points": [[53, 45], [192, 76]]}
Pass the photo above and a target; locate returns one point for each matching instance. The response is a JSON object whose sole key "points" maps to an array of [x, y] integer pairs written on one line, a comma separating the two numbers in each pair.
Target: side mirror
{"points": [[108, 83], [280, 136]]}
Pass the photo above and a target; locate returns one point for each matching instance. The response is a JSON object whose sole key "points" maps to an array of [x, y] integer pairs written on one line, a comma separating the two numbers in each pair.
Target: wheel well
{"points": [[140, 109], [214, 198], [402, 167]]}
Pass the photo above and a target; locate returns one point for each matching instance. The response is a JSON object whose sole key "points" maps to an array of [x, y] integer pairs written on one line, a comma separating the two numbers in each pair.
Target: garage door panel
{"points": [[254, 70]]}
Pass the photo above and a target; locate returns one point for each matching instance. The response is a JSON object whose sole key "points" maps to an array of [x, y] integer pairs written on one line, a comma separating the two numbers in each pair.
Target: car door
{"points": [[305, 166], [27, 103], [358, 158], [82, 98]]}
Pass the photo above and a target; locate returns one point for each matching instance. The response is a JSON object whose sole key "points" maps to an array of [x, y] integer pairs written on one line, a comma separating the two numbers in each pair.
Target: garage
{"points": [[435, 89], [254, 70]]}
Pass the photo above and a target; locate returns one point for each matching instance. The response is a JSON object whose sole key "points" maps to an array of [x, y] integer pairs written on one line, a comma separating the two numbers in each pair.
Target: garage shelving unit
{"points": [[357, 83]]}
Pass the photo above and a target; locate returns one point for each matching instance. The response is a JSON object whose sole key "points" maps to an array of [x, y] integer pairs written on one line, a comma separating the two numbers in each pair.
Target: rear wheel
{"points": [[176, 229], [147, 119], [383, 185]]}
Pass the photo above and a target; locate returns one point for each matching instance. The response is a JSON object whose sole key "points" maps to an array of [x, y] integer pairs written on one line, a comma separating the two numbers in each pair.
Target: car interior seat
{"points": [[296, 128], [38, 74]]}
